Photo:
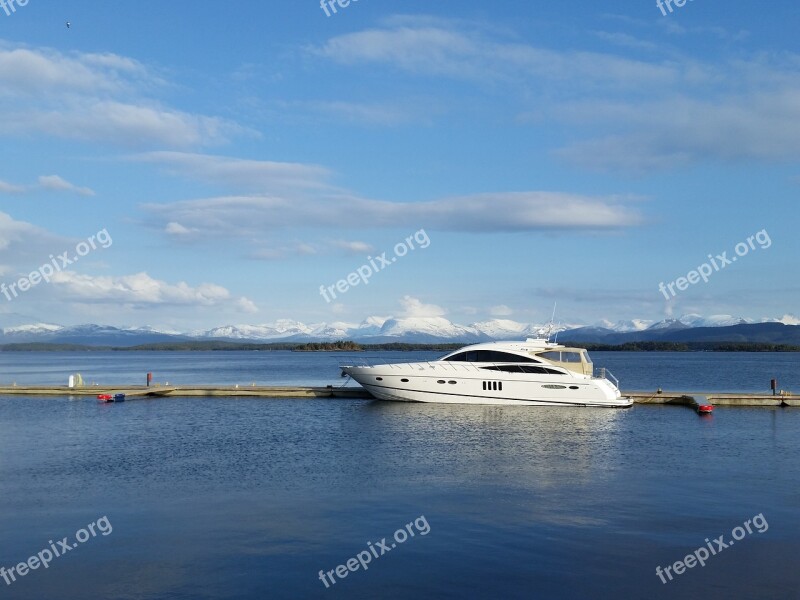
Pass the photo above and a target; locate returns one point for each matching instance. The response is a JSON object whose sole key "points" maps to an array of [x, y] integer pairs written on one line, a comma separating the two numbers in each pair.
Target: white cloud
{"points": [[177, 229], [46, 182], [500, 212], [265, 252], [238, 173], [353, 247], [141, 290], [25, 245], [122, 123], [676, 109], [40, 71], [56, 183], [296, 195], [413, 307], [501, 311], [9, 188], [246, 305], [96, 97], [450, 49], [761, 126]]}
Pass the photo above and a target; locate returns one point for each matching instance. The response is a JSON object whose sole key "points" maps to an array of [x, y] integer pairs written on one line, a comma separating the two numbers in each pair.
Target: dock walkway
{"points": [[233, 391]]}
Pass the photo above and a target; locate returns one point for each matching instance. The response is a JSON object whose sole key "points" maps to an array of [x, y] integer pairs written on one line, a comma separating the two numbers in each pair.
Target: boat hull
{"points": [[457, 384]]}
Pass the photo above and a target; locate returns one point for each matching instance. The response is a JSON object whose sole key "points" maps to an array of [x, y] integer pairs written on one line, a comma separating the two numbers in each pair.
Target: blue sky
{"points": [[243, 154]]}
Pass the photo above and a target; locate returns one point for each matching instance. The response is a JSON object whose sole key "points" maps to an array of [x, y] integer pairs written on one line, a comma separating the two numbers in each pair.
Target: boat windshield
{"points": [[489, 356]]}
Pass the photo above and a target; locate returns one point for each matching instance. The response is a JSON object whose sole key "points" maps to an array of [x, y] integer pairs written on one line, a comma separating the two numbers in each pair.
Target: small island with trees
{"points": [[340, 346]]}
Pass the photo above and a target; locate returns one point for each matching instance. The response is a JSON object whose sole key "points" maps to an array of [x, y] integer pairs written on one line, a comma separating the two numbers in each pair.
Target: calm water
{"points": [[692, 371], [250, 498]]}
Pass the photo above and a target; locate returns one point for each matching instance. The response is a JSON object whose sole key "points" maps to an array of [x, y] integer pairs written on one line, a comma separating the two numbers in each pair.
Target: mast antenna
{"points": [[550, 326]]}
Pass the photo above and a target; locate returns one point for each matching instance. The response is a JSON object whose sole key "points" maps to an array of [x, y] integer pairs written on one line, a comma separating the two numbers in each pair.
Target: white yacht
{"points": [[535, 372]]}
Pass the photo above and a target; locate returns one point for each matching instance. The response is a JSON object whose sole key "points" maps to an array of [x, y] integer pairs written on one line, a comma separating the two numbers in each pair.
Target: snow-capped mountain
{"points": [[435, 329], [32, 329], [694, 320], [786, 319], [284, 328], [90, 334], [405, 329], [505, 329], [668, 324], [627, 325]]}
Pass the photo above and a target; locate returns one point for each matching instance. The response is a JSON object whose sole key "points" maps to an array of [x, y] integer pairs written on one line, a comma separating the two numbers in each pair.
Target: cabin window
{"points": [[562, 356], [404, 380], [441, 381], [451, 382], [524, 369], [379, 378], [490, 356]]}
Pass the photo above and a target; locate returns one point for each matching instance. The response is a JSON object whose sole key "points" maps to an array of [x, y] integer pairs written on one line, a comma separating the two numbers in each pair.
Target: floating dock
{"points": [[695, 399], [160, 391], [692, 399]]}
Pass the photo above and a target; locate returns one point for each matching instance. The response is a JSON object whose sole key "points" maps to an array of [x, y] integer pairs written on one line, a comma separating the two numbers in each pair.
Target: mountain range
{"points": [[688, 328]]}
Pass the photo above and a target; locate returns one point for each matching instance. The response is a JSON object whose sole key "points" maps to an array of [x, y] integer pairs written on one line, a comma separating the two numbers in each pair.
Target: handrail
{"points": [[606, 374]]}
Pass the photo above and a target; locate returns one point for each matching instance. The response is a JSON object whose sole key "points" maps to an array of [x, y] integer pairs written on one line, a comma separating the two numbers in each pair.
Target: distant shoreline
{"points": [[349, 346]]}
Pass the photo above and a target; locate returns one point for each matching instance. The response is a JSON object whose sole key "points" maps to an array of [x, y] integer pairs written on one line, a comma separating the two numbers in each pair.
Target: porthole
{"points": [[574, 387], [451, 382], [441, 381], [379, 378], [404, 380]]}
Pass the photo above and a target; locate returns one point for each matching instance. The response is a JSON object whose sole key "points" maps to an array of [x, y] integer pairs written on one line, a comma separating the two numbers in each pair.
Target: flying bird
{"points": [[69, 24]]}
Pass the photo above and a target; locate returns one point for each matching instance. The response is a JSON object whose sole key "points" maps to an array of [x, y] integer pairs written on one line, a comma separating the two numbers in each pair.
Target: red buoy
{"points": [[104, 397], [705, 409]]}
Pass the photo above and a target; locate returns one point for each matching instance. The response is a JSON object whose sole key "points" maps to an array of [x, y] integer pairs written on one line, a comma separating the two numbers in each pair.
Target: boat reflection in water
{"points": [[544, 455]]}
